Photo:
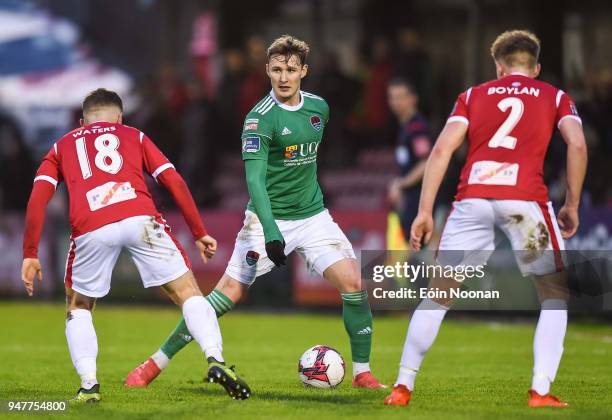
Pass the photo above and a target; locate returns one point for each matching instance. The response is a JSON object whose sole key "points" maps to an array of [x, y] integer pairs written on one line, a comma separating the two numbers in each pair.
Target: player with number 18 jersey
{"points": [[102, 165]]}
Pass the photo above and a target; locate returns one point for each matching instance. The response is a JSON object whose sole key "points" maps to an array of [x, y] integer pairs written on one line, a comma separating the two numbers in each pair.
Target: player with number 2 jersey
{"points": [[508, 123]]}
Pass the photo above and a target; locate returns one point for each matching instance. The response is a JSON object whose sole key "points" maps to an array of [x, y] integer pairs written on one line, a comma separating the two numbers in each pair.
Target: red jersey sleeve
{"points": [[45, 182], [154, 160], [35, 218], [460, 110], [179, 190], [156, 165], [566, 108], [49, 169]]}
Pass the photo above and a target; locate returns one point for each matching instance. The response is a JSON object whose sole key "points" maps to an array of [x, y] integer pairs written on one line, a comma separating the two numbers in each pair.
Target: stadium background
{"points": [[190, 70]]}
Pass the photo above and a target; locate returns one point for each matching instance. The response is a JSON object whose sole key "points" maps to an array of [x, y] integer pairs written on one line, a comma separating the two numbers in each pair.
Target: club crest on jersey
{"points": [[250, 145], [252, 257], [315, 121]]}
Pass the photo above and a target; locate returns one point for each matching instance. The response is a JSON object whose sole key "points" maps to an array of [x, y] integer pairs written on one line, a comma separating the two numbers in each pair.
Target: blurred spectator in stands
{"points": [[17, 168], [414, 65], [173, 90], [198, 158], [601, 108], [228, 119], [255, 83], [595, 112], [157, 116], [341, 92], [374, 91], [370, 121], [414, 144]]}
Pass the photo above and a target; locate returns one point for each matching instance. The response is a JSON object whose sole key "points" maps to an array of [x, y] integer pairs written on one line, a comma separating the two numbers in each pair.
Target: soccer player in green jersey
{"points": [[280, 142]]}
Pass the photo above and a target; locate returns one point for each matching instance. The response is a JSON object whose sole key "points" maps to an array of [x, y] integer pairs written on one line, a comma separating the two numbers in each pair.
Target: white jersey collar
{"points": [[288, 107], [518, 73]]}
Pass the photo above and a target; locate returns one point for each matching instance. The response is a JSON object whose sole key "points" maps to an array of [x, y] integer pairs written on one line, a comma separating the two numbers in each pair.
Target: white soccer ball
{"points": [[321, 367]]}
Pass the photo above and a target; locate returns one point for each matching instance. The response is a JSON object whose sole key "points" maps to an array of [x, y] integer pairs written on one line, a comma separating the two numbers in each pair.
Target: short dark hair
{"points": [[287, 46], [400, 81], [517, 47], [101, 97]]}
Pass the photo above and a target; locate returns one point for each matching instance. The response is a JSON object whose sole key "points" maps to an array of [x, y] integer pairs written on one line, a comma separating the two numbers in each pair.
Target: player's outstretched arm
{"points": [[572, 133], [448, 141], [176, 185], [42, 191], [256, 183]]}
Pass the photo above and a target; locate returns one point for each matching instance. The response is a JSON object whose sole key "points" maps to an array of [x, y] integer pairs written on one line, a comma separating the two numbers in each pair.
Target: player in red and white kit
{"points": [[509, 123], [111, 209]]}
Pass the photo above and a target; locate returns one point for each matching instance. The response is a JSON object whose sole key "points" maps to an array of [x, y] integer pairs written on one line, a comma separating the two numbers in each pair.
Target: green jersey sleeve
{"points": [[256, 137], [325, 112]]}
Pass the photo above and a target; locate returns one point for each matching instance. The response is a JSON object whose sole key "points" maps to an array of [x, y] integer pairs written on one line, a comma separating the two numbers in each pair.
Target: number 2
{"points": [[106, 145], [501, 138]]}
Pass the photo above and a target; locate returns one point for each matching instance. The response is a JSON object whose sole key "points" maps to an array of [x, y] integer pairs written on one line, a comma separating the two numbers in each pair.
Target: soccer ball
{"points": [[321, 367]]}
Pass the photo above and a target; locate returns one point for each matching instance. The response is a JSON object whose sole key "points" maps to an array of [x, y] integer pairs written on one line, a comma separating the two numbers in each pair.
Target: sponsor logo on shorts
{"points": [[315, 121], [251, 145], [252, 257]]}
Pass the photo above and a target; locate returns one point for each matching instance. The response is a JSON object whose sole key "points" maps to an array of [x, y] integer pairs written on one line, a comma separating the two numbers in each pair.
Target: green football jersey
{"points": [[288, 138]]}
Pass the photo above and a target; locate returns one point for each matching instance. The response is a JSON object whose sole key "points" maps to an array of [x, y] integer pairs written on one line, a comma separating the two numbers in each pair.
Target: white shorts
{"points": [[158, 256], [318, 239], [468, 237]]}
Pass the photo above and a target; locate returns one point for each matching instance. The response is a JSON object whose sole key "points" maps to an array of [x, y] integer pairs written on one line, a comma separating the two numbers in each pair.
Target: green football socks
{"points": [[358, 324], [220, 303], [180, 337]]}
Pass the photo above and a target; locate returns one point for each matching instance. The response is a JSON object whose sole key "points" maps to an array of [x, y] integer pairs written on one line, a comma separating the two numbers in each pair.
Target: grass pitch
{"points": [[474, 370]]}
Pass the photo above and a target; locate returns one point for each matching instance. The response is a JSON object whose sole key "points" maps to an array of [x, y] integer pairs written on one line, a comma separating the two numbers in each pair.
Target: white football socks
{"points": [[160, 359], [201, 321], [422, 332], [83, 345], [548, 344], [360, 368]]}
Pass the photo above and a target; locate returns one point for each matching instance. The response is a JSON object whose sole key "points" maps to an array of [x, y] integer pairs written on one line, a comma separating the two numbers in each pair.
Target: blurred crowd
{"points": [[196, 118]]}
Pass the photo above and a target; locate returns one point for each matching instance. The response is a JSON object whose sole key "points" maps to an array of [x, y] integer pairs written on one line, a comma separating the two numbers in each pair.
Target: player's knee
{"points": [[351, 284], [231, 288], [552, 286], [182, 288], [78, 301]]}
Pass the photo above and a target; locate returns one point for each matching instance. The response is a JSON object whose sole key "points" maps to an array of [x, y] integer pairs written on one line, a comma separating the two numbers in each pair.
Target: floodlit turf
{"points": [[475, 369]]}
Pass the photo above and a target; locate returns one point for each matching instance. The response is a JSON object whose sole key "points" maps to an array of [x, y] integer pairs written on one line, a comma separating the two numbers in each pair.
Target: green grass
{"points": [[474, 370]]}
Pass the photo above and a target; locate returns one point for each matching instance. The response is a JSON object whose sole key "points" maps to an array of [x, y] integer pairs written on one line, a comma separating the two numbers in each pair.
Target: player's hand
{"points": [[276, 252], [207, 246], [421, 230], [30, 269], [394, 194], [568, 221]]}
